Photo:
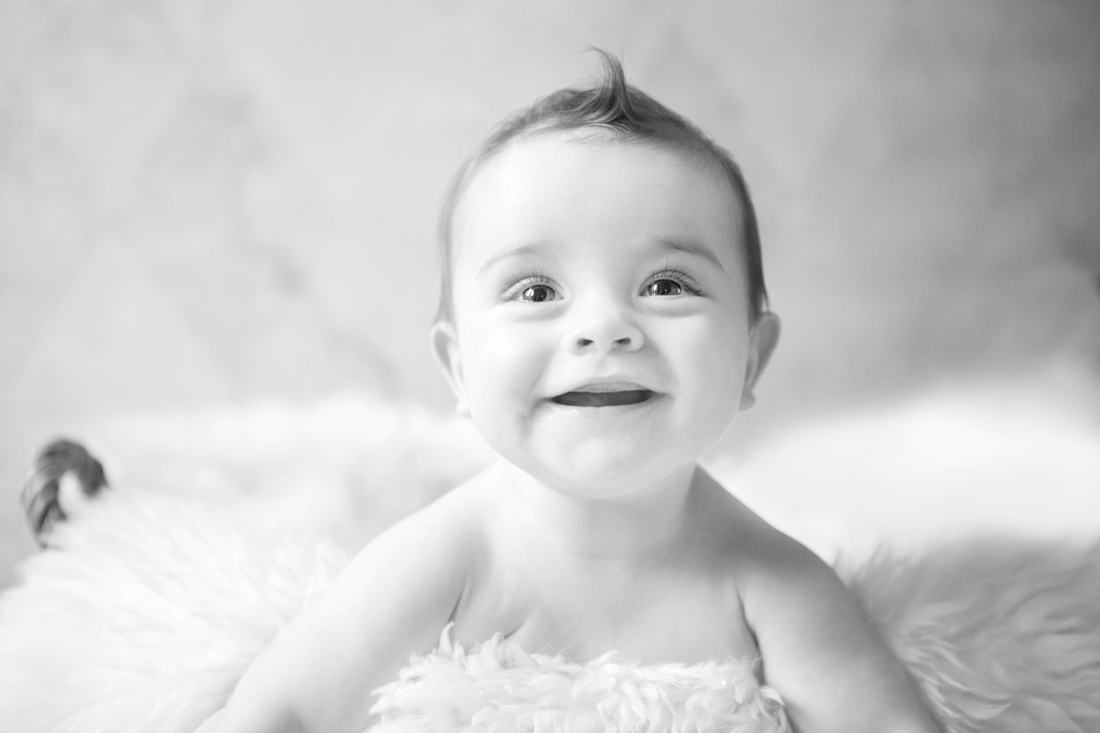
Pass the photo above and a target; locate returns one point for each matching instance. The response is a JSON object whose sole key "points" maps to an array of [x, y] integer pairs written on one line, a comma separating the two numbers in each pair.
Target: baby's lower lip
{"points": [[603, 399]]}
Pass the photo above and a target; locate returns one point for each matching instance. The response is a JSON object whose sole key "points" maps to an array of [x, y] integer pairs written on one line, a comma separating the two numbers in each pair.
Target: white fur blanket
{"points": [[498, 687], [150, 606]]}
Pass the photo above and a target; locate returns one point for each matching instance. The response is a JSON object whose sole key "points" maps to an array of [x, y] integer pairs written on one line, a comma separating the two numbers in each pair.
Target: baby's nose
{"points": [[606, 329], [624, 342]]}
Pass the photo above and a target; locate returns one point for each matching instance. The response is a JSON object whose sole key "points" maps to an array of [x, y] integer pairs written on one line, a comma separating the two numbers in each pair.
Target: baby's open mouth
{"points": [[603, 399]]}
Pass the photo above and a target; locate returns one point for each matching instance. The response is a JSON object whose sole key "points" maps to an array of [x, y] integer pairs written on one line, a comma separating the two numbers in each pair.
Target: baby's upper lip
{"points": [[609, 385]]}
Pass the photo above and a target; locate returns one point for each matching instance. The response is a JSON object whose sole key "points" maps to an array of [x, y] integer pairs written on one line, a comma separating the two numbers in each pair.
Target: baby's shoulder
{"points": [[782, 586], [451, 529], [760, 556]]}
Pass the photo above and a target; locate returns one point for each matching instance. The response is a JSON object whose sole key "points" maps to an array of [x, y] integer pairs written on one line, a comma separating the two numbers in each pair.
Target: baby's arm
{"points": [[819, 652], [391, 601]]}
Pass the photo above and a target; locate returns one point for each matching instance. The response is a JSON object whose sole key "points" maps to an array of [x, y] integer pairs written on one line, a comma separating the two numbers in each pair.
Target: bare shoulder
{"points": [[440, 535], [818, 649], [391, 602], [758, 553], [774, 567], [422, 563]]}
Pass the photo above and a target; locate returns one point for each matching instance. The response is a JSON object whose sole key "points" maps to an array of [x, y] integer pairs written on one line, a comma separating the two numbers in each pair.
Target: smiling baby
{"points": [[603, 320]]}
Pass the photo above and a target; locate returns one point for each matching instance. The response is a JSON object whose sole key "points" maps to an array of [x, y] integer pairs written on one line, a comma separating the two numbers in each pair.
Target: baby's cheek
{"points": [[719, 372], [723, 366], [501, 379]]}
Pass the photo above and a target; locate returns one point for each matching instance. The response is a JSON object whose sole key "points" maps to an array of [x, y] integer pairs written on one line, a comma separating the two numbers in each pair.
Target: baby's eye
{"points": [[664, 286], [670, 284], [538, 294], [532, 289]]}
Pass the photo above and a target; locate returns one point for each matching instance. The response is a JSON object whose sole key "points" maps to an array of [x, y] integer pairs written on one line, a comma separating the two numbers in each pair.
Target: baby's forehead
{"points": [[490, 193], [523, 164]]}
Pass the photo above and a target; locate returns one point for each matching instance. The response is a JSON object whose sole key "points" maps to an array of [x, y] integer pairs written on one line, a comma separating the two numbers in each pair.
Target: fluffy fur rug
{"points": [[498, 687], [149, 606]]}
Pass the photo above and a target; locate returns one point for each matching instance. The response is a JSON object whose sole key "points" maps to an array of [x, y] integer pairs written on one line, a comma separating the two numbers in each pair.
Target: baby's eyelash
{"points": [[524, 281], [685, 281]]}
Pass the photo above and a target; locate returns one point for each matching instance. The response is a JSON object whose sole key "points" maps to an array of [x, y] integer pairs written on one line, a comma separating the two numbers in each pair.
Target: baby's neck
{"points": [[633, 528]]}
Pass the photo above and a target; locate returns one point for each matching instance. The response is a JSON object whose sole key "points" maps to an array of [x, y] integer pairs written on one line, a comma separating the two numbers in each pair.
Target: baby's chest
{"points": [[666, 618]]}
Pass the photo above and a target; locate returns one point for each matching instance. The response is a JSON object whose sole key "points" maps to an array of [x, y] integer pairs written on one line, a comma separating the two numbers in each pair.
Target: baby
{"points": [[603, 319]]}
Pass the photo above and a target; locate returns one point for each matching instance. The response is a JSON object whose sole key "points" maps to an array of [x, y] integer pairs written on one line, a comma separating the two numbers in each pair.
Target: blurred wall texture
{"points": [[222, 200]]}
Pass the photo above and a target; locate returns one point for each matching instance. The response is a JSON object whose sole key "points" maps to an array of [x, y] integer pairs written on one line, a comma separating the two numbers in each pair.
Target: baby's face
{"points": [[601, 336]]}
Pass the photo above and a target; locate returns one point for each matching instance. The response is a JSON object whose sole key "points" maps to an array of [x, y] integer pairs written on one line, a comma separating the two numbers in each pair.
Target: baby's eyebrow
{"points": [[526, 250], [691, 247], [688, 246]]}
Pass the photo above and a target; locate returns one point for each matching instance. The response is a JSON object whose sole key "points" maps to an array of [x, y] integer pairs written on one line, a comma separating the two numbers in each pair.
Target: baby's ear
{"points": [[763, 337], [444, 343]]}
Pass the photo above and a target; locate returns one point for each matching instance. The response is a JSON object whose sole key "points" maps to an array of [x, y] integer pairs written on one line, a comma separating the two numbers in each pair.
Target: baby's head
{"points": [[612, 111], [603, 314]]}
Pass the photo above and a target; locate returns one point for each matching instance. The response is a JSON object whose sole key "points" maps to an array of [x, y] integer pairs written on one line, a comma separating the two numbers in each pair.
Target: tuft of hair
{"points": [[610, 110]]}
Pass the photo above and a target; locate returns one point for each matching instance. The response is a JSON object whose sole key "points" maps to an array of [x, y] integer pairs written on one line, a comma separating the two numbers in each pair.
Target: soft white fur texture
{"points": [[1001, 635], [145, 613], [155, 597], [498, 687]]}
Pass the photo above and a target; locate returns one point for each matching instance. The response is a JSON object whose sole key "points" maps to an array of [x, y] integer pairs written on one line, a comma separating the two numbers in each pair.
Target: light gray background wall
{"points": [[214, 201]]}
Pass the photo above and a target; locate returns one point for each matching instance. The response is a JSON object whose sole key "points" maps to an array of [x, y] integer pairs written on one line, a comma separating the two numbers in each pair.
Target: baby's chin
{"points": [[600, 472], [603, 451]]}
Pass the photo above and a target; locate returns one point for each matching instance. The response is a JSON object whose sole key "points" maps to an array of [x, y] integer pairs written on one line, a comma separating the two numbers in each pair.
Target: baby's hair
{"points": [[611, 110]]}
